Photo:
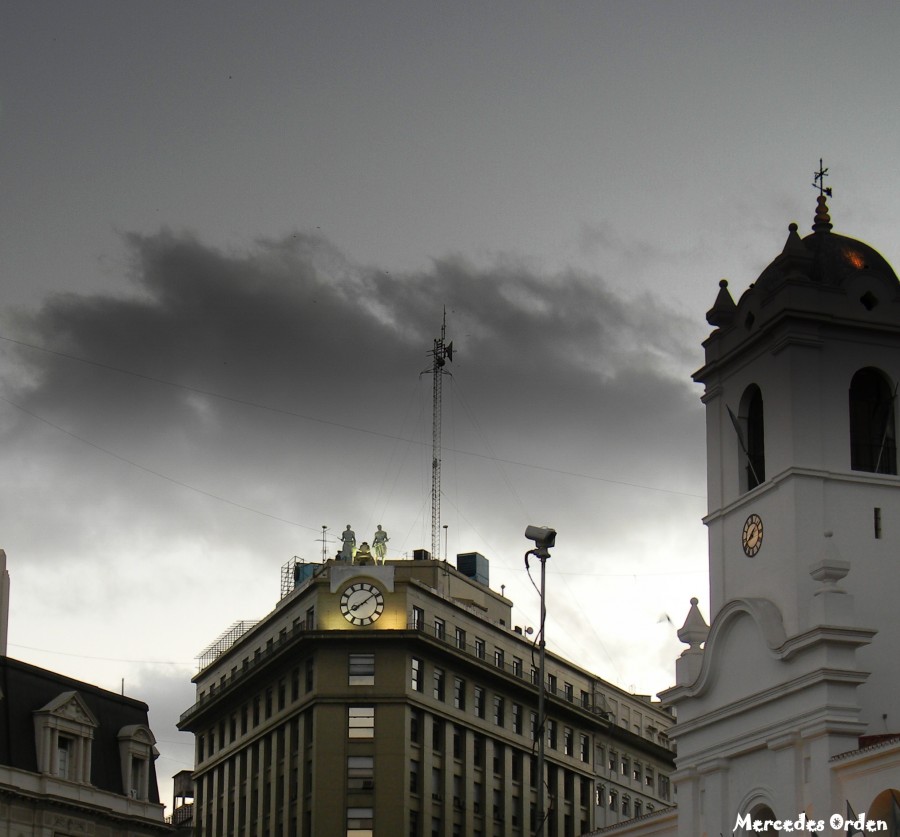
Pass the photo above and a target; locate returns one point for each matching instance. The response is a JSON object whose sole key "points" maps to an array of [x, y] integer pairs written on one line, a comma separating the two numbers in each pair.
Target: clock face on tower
{"points": [[362, 603], [752, 535]]}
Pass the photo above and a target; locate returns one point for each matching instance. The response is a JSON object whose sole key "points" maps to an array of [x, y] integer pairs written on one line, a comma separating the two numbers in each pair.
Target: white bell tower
{"points": [[797, 667], [801, 378]]}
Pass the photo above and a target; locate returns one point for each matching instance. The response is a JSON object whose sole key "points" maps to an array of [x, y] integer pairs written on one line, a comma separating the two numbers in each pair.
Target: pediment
{"points": [[137, 733], [70, 706]]}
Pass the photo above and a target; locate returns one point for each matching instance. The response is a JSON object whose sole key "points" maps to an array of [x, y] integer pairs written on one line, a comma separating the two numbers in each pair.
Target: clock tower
{"points": [[801, 377], [797, 667]]}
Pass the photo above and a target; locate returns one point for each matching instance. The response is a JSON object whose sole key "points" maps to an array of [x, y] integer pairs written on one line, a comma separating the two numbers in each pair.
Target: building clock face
{"points": [[752, 535], [362, 603]]}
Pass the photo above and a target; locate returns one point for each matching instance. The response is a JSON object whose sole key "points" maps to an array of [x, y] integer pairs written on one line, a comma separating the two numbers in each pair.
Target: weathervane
{"points": [[819, 180]]}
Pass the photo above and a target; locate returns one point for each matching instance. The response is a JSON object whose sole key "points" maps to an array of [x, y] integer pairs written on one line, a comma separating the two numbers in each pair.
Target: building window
{"points": [[415, 723], [479, 648], [585, 748], [568, 786], [648, 777], [752, 438], [459, 693], [64, 732], [636, 772], [873, 445], [585, 699], [517, 718], [479, 701], [416, 675], [585, 792], [569, 692], [498, 657], [568, 741], [551, 683], [361, 670], [638, 807], [418, 619], [478, 750], [625, 765], [461, 639], [613, 800], [136, 752], [64, 748], [664, 789], [437, 735], [439, 684], [498, 710], [458, 733], [517, 666], [535, 676], [439, 628], [413, 776], [534, 726], [437, 784], [361, 722], [360, 822], [626, 806], [551, 733], [613, 760], [360, 772], [308, 675]]}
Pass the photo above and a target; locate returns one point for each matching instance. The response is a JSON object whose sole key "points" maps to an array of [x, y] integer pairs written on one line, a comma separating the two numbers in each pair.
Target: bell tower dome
{"points": [[800, 379]]}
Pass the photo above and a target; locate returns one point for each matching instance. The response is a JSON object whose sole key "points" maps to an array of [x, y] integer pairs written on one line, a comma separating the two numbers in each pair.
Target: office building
{"points": [[397, 698]]}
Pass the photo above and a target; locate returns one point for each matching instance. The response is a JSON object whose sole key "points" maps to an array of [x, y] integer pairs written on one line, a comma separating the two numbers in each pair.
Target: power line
{"points": [[159, 474], [103, 659], [282, 411]]}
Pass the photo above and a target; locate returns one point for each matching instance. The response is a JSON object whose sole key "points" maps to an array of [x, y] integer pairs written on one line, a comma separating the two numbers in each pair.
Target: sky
{"points": [[229, 234]]}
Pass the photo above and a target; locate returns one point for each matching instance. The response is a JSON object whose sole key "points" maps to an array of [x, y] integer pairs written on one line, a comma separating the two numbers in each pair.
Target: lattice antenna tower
{"points": [[440, 354]]}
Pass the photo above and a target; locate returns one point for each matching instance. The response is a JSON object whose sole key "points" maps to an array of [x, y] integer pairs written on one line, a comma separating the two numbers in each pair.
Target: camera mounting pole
{"points": [[544, 538]]}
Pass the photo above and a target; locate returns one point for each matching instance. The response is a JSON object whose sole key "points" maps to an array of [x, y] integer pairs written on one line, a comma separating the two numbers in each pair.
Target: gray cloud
{"points": [[227, 404]]}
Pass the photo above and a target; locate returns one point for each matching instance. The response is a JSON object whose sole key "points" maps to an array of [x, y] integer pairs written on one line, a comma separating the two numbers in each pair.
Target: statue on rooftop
{"points": [[348, 541], [363, 555], [379, 542]]}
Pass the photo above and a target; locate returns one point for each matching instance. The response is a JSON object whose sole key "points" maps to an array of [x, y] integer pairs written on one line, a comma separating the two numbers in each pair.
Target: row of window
{"points": [[626, 807], [479, 648], [498, 710], [625, 766], [256, 711]]}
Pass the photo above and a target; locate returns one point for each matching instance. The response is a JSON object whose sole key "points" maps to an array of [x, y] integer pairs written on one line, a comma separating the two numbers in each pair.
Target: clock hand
{"points": [[358, 605]]}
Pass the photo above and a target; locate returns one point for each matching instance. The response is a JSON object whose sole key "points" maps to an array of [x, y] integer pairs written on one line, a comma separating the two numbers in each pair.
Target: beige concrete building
{"points": [[398, 699]]}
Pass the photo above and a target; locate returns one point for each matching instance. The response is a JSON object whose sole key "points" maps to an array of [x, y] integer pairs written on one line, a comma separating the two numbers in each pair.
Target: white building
{"points": [[787, 703]]}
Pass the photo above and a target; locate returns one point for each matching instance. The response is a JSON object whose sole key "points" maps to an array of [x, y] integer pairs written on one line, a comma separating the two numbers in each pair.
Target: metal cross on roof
{"points": [[819, 180]]}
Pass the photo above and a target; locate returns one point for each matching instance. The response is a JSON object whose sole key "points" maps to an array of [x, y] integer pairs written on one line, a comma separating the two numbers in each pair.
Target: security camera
{"points": [[543, 536]]}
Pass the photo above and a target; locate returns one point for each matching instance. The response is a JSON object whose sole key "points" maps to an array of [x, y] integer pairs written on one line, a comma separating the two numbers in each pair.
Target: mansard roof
{"points": [[27, 689]]}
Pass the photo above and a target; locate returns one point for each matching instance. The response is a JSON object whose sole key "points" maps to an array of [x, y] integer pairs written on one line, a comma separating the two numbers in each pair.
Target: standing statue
{"points": [[348, 541], [379, 542]]}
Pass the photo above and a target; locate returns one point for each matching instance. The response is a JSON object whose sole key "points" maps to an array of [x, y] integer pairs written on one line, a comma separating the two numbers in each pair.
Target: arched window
{"points": [[752, 438], [873, 441]]}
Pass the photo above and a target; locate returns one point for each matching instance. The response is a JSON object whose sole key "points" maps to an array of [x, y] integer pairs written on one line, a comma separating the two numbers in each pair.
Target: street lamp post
{"points": [[544, 538]]}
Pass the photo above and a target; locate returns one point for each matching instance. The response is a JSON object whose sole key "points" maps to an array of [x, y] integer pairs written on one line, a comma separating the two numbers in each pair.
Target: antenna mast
{"points": [[441, 353]]}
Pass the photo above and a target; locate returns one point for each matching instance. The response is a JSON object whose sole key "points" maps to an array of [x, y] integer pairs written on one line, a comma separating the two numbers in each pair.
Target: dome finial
{"points": [[822, 221]]}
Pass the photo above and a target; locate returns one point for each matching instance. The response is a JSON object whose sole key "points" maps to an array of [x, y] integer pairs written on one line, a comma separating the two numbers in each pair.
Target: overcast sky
{"points": [[229, 232]]}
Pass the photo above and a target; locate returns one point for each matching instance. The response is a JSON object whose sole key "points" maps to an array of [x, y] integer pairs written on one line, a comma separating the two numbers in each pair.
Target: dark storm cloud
{"points": [[292, 319], [253, 376]]}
